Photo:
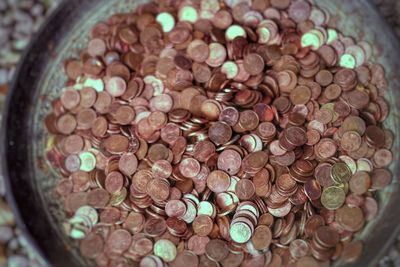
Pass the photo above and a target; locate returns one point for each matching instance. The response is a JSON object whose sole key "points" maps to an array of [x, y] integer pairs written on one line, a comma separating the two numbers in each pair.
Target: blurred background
{"points": [[19, 20]]}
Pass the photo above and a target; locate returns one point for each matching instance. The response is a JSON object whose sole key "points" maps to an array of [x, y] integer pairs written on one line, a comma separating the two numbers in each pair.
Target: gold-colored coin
{"points": [[330, 107], [333, 197], [344, 186], [340, 173], [119, 197]]}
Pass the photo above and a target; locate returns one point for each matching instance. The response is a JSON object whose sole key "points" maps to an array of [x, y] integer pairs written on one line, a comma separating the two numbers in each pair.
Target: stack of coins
{"points": [[324, 242], [220, 133]]}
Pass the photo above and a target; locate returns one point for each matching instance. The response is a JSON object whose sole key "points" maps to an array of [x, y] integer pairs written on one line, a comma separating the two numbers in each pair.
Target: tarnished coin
{"points": [[340, 173], [333, 197]]}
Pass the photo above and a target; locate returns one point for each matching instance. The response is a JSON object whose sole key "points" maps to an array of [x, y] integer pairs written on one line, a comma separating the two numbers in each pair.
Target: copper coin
{"points": [[300, 11], [229, 161], [197, 244], [218, 181], [220, 133], [134, 222], [300, 95], [198, 50], [114, 182], [66, 124], [92, 246], [140, 180], [175, 208], [323, 174], [158, 189], [119, 241], [296, 136], [350, 218], [217, 250], [262, 237], [351, 141], [70, 98], [186, 258], [380, 178], [116, 86], [351, 251], [245, 189], [307, 261], [261, 183], [229, 115], [312, 189], [324, 77], [170, 133], [253, 64], [370, 208], [202, 225], [326, 236], [326, 148], [203, 150], [155, 226], [217, 55], [161, 169], [116, 144], [383, 158], [98, 198], [189, 167], [233, 259], [360, 182], [248, 120], [128, 163]]}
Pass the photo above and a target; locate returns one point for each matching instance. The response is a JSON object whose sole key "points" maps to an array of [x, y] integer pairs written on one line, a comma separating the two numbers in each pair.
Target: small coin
{"points": [[218, 181], [165, 249], [217, 250], [340, 173], [245, 189], [240, 232], [202, 225], [333, 197], [262, 237], [189, 167]]}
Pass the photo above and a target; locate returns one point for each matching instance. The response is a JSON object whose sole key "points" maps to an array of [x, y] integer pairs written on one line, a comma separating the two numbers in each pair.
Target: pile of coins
{"points": [[19, 20], [235, 133]]}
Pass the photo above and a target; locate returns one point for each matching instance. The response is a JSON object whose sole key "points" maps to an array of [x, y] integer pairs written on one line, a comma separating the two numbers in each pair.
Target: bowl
{"points": [[39, 79]]}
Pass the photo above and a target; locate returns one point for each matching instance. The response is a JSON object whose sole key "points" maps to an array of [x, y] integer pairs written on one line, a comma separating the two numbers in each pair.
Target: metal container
{"points": [[39, 79]]}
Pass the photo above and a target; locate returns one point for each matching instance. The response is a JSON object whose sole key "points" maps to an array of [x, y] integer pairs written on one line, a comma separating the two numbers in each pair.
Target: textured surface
{"points": [[18, 20]]}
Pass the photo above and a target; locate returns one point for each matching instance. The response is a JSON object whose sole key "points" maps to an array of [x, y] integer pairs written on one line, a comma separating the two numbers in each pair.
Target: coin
{"points": [[91, 246], [340, 173], [218, 181], [262, 237], [119, 241], [245, 189], [360, 182], [189, 167], [253, 64], [333, 197], [202, 225], [240, 232], [230, 161], [350, 218], [165, 249], [220, 133], [352, 251], [217, 250]]}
